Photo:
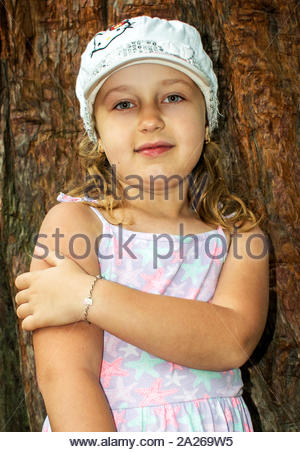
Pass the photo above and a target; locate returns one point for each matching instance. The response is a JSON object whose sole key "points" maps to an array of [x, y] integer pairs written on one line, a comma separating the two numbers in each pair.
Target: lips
{"points": [[158, 146], [153, 152]]}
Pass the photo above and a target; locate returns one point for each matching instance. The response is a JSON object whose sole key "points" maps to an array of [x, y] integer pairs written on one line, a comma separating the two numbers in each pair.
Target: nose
{"points": [[150, 119]]}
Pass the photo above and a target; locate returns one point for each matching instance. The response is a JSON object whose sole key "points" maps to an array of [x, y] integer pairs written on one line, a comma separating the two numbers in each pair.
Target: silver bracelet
{"points": [[88, 300]]}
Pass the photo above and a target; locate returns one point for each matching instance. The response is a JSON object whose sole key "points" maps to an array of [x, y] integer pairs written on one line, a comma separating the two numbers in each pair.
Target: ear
{"points": [[207, 137], [100, 148]]}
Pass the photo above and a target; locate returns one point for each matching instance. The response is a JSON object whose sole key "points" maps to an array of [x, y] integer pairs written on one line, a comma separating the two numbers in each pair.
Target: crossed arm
{"points": [[216, 336], [68, 358], [219, 335]]}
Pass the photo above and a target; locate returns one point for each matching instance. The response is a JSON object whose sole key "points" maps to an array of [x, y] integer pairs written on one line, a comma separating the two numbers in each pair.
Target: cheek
{"points": [[192, 131], [116, 129], [111, 136], [193, 122], [117, 151]]}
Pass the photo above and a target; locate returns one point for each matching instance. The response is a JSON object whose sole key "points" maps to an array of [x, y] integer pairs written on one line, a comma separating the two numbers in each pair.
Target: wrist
{"points": [[89, 299]]}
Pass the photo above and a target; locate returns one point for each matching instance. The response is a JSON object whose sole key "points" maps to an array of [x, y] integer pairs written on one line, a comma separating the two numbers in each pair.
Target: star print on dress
{"points": [[129, 349], [181, 289], [168, 414], [119, 251], [239, 426], [154, 395], [145, 253], [145, 417], [145, 365], [192, 293], [174, 366], [191, 417], [112, 346], [218, 252], [246, 428], [109, 370], [228, 415], [174, 379], [123, 394], [108, 274], [130, 277], [226, 372], [197, 403], [234, 401], [162, 252], [119, 417], [189, 393], [205, 377], [192, 271], [176, 257], [153, 281]]}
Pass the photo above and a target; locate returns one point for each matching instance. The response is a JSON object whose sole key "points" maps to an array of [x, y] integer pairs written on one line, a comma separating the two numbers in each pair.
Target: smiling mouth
{"points": [[153, 152]]}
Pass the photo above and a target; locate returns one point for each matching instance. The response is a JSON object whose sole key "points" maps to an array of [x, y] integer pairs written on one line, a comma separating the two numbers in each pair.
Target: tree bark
{"points": [[253, 48]]}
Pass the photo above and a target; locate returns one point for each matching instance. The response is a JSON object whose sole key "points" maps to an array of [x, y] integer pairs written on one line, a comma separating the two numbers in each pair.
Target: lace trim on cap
{"points": [[151, 48]]}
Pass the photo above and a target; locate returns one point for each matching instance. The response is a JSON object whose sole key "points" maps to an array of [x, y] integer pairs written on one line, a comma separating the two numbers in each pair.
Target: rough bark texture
{"points": [[253, 45], [253, 48]]}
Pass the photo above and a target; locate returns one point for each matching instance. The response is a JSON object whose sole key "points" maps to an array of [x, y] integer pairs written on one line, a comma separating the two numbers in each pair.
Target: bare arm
{"points": [[68, 358], [216, 336]]}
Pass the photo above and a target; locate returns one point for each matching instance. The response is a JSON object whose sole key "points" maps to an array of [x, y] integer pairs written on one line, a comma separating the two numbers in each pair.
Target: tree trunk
{"points": [[253, 48]]}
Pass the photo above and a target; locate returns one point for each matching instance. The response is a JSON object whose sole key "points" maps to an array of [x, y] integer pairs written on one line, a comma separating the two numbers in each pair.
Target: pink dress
{"points": [[145, 392]]}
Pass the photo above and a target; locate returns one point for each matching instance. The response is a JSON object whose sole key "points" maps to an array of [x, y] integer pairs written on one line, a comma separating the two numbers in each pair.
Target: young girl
{"points": [[176, 310]]}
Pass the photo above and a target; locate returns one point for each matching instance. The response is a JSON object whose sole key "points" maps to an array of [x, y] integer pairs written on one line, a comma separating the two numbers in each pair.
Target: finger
{"points": [[22, 296], [23, 311], [32, 322], [22, 281], [28, 323]]}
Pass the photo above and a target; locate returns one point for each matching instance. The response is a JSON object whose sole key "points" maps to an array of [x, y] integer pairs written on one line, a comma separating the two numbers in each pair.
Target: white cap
{"points": [[145, 39]]}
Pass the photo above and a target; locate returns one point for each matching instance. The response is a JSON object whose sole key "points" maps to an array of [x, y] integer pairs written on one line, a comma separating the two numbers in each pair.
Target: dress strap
{"points": [[105, 223], [62, 197]]}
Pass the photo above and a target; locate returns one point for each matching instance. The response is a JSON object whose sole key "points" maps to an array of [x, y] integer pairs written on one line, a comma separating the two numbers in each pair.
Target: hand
{"points": [[53, 296]]}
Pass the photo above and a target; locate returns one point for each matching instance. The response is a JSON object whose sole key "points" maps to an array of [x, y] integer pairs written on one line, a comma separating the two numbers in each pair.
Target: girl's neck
{"points": [[168, 202]]}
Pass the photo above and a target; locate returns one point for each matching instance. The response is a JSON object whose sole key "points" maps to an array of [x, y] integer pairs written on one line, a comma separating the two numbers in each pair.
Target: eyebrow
{"points": [[169, 81]]}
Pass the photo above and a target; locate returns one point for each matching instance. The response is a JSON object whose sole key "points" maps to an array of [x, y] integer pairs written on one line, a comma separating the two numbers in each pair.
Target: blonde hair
{"points": [[208, 191]]}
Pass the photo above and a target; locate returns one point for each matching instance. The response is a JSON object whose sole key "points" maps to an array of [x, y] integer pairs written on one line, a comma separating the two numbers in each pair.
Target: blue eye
{"points": [[128, 102], [124, 102], [172, 96]]}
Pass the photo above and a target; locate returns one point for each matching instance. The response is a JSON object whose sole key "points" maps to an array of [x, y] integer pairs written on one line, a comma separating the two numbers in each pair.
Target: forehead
{"points": [[145, 73]]}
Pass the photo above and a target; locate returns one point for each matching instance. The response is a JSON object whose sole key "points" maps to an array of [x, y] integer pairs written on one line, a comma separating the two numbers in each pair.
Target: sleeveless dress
{"points": [[145, 392]]}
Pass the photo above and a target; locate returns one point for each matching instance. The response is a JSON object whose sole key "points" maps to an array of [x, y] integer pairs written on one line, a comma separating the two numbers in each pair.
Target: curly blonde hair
{"points": [[208, 191]]}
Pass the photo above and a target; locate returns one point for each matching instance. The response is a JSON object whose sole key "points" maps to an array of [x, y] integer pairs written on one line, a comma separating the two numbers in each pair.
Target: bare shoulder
{"points": [[71, 214], [71, 229], [252, 244]]}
